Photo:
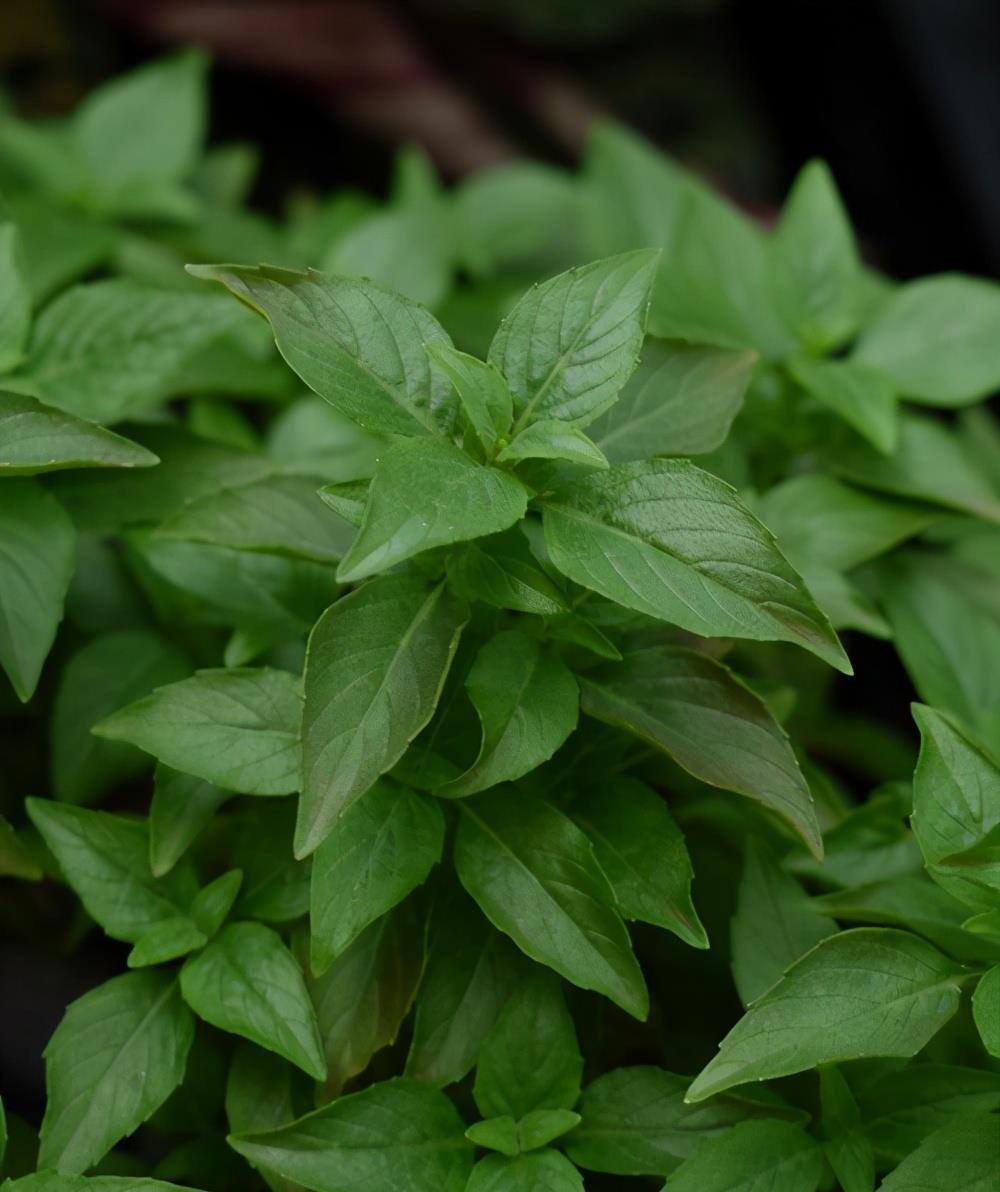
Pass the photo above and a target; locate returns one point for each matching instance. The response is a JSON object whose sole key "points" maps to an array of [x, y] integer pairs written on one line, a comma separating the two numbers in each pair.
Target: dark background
{"points": [[901, 97]]}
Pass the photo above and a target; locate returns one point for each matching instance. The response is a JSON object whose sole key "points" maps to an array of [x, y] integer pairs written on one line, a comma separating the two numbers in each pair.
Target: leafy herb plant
{"points": [[435, 641]]}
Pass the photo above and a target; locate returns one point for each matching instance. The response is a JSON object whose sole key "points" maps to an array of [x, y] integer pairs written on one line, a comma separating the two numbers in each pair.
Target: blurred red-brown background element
{"points": [[902, 98]]}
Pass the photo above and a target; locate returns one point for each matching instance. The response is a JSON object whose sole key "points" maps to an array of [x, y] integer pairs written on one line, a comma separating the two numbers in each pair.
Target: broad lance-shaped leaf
{"points": [[471, 971], [104, 350], [813, 262], [936, 338], [635, 1121], [551, 438], [107, 673], [398, 1134], [861, 993], [750, 1156], [773, 926], [247, 982], [182, 805], [540, 1171], [33, 582], [238, 728], [642, 852], [354, 343], [429, 493], [986, 1010], [669, 540], [534, 874], [527, 700], [570, 344], [698, 712], [962, 1154], [105, 858], [365, 995], [282, 515], [375, 666], [863, 397], [481, 389], [956, 805], [37, 438], [503, 572], [847, 1147], [681, 400], [15, 300], [381, 848], [530, 1059], [117, 1055]]}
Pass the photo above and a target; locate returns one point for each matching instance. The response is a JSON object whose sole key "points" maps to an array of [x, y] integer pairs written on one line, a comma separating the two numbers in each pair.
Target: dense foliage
{"points": [[390, 686]]}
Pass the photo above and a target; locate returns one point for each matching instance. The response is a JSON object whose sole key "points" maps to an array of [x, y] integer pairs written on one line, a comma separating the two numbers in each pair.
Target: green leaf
{"points": [[376, 663], [115, 1057], [863, 397], [542, 1126], [821, 520], [181, 807], [549, 438], [986, 1010], [275, 886], [956, 804], [109, 349], [936, 338], [571, 343], [282, 515], [634, 193], [471, 971], [50, 1181], [15, 300], [398, 1134], [106, 674], [962, 1154], [749, 1156], [189, 468], [166, 940], [496, 1134], [355, 344], [259, 1091], [17, 858], [865, 992], [534, 874], [213, 902], [643, 855], [486, 401], [246, 982], [382, 847], [902, 1107], [348, 500], [716, 289], [105, 858], [681, 400], [669, 540], [773, 926], [238, 728], [143, 130], [635, 1122], [33, 582], [813, 262], [527, 701], [427, 494], [929, 463], [36, 438], [717, 729], [364, 996], [503, 572], [530, 1059], [946, 627], [545, 1171], [846, 1147], [58, 246]]}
